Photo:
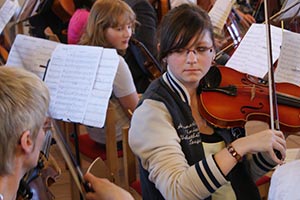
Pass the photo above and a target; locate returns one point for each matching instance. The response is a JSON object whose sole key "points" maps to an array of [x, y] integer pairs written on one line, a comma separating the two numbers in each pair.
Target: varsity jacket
{"points": [[168, 92]]}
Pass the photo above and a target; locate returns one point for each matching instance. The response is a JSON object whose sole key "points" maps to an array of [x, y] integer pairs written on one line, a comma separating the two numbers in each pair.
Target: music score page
{"points": [[251, 56], [220, 12], [288, 69], [79, 78], [31, 53], [7, 10]]}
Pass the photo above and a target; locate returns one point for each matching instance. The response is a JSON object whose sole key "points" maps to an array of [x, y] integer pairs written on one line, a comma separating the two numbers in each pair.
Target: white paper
{"points": [[7, 10], [70, 77], [220, 12], [292, 6], [251, 56], [31, 53], [288, 68], [80, 78], [102, 89]]}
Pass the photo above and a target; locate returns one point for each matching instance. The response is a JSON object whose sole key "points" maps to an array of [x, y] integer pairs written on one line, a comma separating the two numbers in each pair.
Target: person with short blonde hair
{"points": [[24, 101]]}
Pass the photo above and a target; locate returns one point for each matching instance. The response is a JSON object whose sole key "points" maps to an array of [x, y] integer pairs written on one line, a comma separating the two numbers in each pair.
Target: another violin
{"points": [[151, 64], [161, 7], [64, 9], [230, 98]]}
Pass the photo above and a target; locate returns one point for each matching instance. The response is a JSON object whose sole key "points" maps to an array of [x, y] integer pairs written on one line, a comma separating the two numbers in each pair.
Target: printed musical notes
{"points": [[251, 55], [31, 53], [219, 13], [70, 77], [7, 10], [102, 88], [79, 78], [288, 69]]}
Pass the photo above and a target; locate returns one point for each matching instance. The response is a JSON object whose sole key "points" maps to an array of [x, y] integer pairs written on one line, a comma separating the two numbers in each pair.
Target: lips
{"points": [[192, 70]]}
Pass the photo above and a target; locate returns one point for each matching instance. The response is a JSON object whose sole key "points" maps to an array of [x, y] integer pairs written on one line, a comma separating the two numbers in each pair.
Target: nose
{"points": [[127, 32], [191, 56]]}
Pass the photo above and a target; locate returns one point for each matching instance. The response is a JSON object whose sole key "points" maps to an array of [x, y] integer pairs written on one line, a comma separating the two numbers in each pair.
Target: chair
{"points": [[263, 185], [89, 150], [132, 183]]}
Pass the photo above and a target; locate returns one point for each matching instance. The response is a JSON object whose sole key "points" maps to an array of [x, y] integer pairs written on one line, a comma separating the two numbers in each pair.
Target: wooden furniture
{"points": [[132, 183], [87, 149], [90, 150]]}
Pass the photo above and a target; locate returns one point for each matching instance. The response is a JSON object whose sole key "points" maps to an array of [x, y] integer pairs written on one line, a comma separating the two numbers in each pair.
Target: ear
{"points": [[158, 47], [214, 56], [26, 142]]}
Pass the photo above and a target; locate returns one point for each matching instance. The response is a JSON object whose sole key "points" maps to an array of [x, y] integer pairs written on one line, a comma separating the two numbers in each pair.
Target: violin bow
{"points": [[272, 88], [274, 117], [70, 160]]}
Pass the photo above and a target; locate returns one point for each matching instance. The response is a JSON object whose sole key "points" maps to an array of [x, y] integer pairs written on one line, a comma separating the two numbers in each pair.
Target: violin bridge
{"points": [[253, 89]]}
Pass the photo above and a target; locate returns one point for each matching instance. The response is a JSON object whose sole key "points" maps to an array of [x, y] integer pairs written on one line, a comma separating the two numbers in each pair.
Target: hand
{"points": [[245, 19], [264, 141], [105, 190]]}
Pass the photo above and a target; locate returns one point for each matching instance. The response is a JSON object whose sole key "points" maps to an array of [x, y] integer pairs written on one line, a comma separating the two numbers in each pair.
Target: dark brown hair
{"points": [[179, 26]]}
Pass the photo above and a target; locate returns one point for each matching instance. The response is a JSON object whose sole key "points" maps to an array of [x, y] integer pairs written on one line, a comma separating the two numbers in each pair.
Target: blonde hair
{"points": [[24, 101], [106, 14]]}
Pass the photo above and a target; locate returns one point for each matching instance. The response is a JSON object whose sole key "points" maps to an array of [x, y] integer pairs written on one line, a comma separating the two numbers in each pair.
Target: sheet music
{"points": [[70, 77], [80, 78], [31, 53], [219, 13], [251, 55], [7, 10], [102, 89], [295, 6], [288, 68]]}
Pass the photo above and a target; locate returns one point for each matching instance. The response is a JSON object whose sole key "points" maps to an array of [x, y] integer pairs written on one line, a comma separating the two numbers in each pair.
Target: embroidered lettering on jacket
{"points": [[189, 133]]}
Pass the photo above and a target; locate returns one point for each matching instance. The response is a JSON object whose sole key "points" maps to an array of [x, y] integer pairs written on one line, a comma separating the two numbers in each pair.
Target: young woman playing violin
{"points": [[181, 155]]}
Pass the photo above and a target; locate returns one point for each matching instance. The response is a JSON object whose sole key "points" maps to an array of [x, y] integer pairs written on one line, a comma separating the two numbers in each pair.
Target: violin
{"points": [[206, 4], [151, 64], [64, 9], [230, 98], [161, 7], [35, 183]]}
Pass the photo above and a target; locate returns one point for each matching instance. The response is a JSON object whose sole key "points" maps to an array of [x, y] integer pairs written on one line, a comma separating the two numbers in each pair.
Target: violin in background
{"points": [[161, 7], [54, 14], [152, 67]]}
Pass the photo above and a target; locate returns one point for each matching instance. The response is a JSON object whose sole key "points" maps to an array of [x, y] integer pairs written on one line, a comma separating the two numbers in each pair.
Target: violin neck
{"points": [[288, 100]]}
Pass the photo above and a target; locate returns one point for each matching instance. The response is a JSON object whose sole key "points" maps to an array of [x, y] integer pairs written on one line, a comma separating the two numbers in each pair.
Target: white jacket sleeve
{"points": [[154, 140]]}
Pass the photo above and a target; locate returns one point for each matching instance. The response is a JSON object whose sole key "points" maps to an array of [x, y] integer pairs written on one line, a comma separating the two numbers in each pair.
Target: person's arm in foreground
{"points": [[105, 190]]}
